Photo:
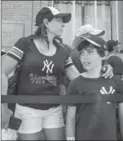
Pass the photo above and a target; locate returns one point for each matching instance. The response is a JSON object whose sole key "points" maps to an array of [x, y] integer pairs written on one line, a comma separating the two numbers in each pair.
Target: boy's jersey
{"points": [[117, 64], [39, 74], [96, 120]]}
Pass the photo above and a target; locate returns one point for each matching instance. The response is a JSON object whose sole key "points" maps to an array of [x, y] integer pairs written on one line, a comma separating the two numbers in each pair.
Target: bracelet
{"points": [[71, 138]]}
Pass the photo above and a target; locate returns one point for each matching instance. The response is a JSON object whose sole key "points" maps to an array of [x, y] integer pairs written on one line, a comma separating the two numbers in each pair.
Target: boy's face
{"points": [[90, 58]]}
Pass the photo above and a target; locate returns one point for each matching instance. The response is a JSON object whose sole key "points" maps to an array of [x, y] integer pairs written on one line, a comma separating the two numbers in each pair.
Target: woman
{"points": [[40, 74]]}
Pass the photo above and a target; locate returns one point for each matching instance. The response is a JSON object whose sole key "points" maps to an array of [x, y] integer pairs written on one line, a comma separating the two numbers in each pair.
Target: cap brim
{"points": [[97, 32], [80, 39], [66, 17]]}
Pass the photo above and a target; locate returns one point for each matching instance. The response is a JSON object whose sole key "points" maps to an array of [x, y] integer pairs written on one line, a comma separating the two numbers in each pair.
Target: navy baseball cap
{"points": [[50, 12], [94, 40], [111, 44]]}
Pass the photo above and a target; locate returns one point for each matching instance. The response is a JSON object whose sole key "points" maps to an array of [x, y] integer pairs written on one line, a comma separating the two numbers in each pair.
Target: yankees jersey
{"points": [[96, 121], [39, 74]]}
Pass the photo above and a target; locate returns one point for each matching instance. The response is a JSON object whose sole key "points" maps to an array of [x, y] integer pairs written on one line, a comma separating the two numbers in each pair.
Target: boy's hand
{"points": [[107, 71], [5, 116]]}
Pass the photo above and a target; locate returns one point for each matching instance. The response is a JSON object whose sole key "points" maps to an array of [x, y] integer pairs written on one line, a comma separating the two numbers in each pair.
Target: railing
{"points": [[65, 99]]}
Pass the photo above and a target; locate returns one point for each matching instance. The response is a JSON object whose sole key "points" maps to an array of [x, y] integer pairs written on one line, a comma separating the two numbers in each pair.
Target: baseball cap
{"points": [[89, 29], [86, 30], [50, 12], [94, 40], [111, 43]]}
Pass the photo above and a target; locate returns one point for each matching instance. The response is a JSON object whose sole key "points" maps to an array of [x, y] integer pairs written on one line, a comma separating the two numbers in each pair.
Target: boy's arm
{"points": [[121, 118], [71, 112], [70, 123]]}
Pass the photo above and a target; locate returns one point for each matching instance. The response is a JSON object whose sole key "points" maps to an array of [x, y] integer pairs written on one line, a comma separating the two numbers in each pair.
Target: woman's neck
{"points": [[50, 37]]}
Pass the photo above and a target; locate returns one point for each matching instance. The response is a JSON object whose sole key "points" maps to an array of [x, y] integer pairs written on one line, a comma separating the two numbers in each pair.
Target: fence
{"points": [[65, 99]]}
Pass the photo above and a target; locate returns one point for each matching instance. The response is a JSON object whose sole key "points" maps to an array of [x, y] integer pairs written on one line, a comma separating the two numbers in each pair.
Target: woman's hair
{"points": [[41, 31], [85, 44]]}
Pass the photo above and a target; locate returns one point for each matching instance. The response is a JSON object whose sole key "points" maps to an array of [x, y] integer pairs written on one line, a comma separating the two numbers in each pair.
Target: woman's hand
{"points": [[5, 115], [107, 71]]}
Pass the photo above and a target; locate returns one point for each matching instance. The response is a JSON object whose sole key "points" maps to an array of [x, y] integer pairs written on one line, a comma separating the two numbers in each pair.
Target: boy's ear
{"points": [[45, 22]]}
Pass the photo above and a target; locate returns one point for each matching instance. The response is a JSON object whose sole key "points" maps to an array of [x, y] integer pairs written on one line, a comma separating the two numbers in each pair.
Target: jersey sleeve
{"points": [[17, 51], [119, 84], [68, 59], [72, 90]]}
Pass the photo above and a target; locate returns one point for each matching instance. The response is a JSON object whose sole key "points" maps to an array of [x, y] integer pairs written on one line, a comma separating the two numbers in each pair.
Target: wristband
{"points": [[71, 138]]}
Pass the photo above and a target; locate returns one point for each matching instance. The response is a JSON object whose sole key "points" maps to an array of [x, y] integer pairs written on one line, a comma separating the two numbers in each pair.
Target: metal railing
{"points": [[65, 99]]}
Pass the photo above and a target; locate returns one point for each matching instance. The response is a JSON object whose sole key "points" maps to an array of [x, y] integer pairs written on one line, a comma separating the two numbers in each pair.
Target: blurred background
{"points": [[18, 18]]}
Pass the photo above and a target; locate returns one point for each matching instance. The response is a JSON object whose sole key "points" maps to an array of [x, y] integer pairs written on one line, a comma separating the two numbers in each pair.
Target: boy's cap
{"points": [[86, 30], [89, 29], [51, 12], [94, 40]]}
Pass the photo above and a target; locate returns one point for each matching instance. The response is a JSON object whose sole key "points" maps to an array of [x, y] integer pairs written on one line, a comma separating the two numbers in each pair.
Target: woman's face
{"points": [[56, 26], [90, 58]]}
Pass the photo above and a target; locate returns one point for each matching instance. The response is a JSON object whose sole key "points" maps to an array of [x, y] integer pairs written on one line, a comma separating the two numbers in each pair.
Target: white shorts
{"points": [[34, 120]]}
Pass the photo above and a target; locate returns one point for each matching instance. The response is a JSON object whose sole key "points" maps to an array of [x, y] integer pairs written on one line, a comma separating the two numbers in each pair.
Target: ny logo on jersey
{"points": [[104, 91], [48, 66]]}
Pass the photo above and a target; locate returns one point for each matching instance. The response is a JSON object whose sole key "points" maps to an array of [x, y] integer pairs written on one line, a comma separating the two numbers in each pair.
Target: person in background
{"points": [[43, 66], [113, 59], [93, 121]]}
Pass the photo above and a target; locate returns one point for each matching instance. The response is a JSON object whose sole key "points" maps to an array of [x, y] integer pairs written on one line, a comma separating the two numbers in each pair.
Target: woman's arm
{"points": [[71, 72], [8, 65], [9, 62], [70, 123]]}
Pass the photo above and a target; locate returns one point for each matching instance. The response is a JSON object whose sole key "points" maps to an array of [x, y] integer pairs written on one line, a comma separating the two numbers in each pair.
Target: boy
{"points": [[84, 30], [95, 121]]}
